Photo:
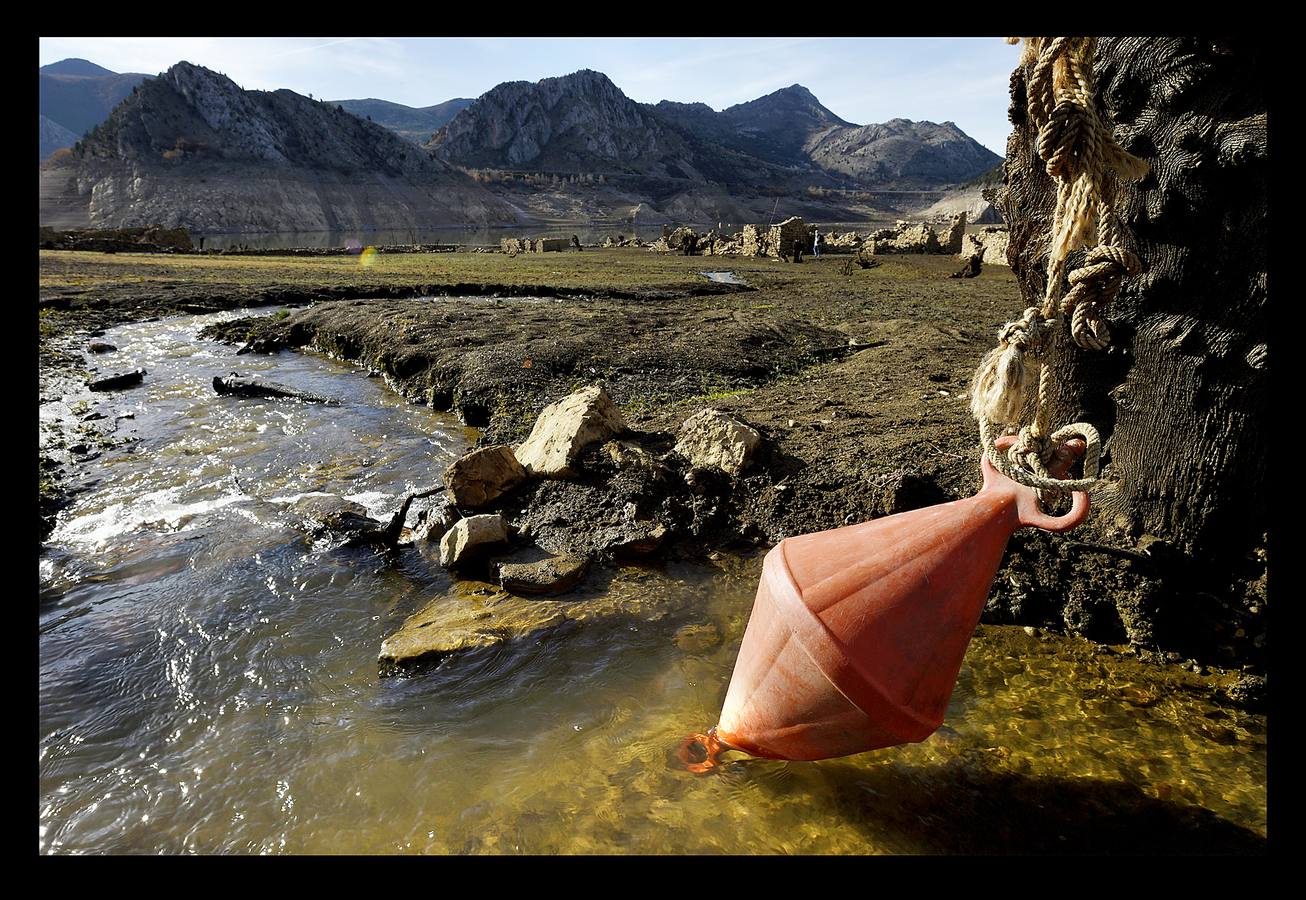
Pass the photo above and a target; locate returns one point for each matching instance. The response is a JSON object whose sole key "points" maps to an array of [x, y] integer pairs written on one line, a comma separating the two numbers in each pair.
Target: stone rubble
{"points": [[469, 537], [990, 243], [712, 439], [513, 246], [540, 533], [565, 428], [792, 239], [483, 476], [904, 237]]}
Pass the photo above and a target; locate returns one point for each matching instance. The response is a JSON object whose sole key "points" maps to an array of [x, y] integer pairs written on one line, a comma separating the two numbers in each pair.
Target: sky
{"points": [[861, 80]]}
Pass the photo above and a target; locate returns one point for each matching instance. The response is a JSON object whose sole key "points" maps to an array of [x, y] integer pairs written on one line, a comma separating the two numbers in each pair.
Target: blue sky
{"points": [[862, 80]]}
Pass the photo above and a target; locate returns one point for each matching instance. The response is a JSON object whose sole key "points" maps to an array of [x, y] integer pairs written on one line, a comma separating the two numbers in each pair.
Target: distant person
{"points": [[816, 245]]}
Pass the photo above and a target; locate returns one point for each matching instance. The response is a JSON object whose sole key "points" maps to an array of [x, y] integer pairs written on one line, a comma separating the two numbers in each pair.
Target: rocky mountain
{"points": [[781, 126], [77, 68], [575, 123], [583, 122], [192, 149], [416, 124], [773, 128], [903, 154], [76, 95]]}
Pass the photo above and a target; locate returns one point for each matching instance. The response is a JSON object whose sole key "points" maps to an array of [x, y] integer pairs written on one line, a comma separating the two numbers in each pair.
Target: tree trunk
{"points": [[1181, 396]]}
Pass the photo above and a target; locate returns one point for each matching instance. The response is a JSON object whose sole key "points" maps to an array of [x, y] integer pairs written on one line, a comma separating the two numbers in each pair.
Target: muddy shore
{"points": [[856, 378]]}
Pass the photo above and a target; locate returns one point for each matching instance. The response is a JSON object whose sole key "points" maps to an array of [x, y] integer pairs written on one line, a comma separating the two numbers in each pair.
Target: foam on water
{"points": [[158, 510]]}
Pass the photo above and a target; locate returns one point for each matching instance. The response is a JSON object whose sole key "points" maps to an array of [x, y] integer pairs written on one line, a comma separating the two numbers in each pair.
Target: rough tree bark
{"points": [[1181, 397]]}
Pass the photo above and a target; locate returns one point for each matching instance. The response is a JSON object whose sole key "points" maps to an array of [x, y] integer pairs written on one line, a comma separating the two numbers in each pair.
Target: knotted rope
{"points": [[1080, 153]]}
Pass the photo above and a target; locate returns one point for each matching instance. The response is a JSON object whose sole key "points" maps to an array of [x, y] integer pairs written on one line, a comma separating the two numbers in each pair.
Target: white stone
{"points": [[468, 535], [712, 439], [990, 243], [565, 428], [482, 476]]}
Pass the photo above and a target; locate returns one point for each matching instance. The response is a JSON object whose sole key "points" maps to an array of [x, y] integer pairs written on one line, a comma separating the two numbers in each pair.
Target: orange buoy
{"points": [[857, 634]]}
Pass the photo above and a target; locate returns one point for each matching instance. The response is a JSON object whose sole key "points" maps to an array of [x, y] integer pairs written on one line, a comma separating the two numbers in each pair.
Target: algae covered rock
{"points": [[553, 575], [473, 616]]}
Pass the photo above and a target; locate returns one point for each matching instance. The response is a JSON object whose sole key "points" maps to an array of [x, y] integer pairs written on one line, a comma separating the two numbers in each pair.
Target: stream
{"points": [[208, 679]]}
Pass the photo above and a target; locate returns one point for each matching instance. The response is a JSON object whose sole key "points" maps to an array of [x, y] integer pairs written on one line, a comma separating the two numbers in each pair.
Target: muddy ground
{"points": [[857, 378]]}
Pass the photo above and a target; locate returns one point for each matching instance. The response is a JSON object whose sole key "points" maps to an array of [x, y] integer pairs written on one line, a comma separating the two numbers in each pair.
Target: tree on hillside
{"points": [[1181, 395]]}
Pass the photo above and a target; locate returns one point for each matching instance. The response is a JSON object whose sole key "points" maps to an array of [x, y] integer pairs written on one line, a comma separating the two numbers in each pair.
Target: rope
{"points": [[1080, 153], [1013, 463]]}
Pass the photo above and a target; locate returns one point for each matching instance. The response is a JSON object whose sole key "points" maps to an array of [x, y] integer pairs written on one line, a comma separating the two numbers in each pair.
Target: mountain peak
{"points": [[76, 66], [189, 71], [575, 122], [798, 90], [787, 101]]}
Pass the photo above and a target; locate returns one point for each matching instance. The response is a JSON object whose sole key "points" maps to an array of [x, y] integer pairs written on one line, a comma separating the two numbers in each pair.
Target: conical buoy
{"points": [[857, 634]]}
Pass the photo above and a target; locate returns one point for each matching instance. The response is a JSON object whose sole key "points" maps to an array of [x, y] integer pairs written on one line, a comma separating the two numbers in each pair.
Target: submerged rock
{"points": [[698, 637], [474, 615], [482, 476], [100, 347], [118, 381], [565, 428], [321, 513], [466, 620], [470, 536], [553, 575], [712, 439], [235, 385]]}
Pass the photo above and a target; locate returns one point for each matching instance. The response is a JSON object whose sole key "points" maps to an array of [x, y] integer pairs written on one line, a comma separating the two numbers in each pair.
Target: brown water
{"points": [[208, 678]]}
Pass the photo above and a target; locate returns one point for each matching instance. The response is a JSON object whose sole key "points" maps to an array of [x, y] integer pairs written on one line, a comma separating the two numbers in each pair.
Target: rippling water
{"points": [[208, 677]]}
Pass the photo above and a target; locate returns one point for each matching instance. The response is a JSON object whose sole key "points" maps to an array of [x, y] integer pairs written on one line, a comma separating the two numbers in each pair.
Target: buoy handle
{"points": [[1027, 508], [1029, 513]]}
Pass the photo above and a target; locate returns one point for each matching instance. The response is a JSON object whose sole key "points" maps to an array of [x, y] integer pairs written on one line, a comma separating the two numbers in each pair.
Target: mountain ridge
{"points": [[582, 120], [190, 148]]}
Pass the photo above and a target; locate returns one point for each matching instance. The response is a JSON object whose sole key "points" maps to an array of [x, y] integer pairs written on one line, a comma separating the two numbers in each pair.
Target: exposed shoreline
{"points": [[857, 380]]}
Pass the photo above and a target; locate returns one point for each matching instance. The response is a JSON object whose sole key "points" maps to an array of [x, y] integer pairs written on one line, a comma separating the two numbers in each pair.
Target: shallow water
{"points": [[723, 277], [208, 677]]}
